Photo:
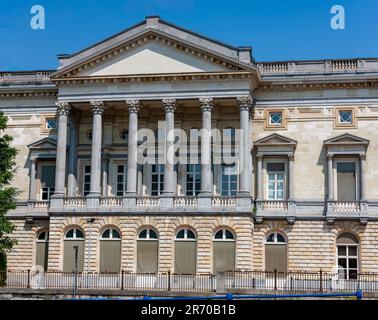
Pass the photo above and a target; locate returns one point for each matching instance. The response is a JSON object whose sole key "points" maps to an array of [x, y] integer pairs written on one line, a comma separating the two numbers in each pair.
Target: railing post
{"points": [[321, 281], [275, 279], [122, 277], [169, 280], [28, 284], [291, 283]]}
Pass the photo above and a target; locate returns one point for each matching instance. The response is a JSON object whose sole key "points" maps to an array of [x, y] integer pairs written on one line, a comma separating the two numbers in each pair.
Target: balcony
{"points": [[350, 209], [275, 209], [152, 204]]}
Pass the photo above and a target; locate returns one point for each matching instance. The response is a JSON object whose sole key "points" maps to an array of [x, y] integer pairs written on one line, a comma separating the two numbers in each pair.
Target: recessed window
{"points": [[345, 117], [275, 118], [74, 234], [275, 238], [347, 256], [121, 180], [51, 124], [276, 181], [124, 135], [185, 234], [224, 234]]}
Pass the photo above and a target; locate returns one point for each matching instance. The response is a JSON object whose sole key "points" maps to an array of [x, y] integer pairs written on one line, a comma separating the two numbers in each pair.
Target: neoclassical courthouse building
{"points": [[306, 196]]}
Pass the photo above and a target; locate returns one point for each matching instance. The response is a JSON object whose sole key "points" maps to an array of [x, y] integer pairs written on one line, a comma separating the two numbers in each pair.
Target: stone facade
{"points": [[103, 92]]}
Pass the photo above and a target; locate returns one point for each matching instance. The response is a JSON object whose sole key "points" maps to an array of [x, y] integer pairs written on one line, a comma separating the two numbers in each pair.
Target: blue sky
{"points": [[276, 29]]}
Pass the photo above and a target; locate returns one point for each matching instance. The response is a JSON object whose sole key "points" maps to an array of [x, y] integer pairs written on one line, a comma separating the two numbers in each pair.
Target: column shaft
{"points": [[97, 109], [363, 177], [330, 178], [105, 172], [169, 108], [207, 105], [32, 186], [245, 104], [290, 196], [259, 178], [132, 161], [60, 174], [72, 160]]}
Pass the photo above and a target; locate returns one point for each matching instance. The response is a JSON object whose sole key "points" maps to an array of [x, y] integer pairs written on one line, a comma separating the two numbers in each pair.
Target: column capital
{"points": [[259, 156], [169, 105], [363, 156], [244, 103], [33, 160], [330, 156], [291, 156], [63, 108], [98, 107], [207, 104], [133, 105]]}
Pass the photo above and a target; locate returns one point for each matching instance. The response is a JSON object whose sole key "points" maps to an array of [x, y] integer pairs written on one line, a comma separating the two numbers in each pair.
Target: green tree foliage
{"points": [[7, 192]]}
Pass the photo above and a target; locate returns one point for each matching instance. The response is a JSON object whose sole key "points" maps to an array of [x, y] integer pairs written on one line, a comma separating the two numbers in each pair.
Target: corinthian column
{"points": [[63, 109], [98, 108], [245, 105], [132, 163], [169, 108], [207, 105]]}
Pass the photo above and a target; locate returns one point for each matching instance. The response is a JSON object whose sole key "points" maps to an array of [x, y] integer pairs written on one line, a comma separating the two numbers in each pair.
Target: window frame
{"points": [[342, 159], [339, 124], [275, 237], [74, 238], [194, 192], [275, 126], [230, 192], [88, 183], [111, 238], [148, 235], [347, 256], [267, 161], [160, 179], [51, 190], [224, 235], [186, 235], [123, 174]]}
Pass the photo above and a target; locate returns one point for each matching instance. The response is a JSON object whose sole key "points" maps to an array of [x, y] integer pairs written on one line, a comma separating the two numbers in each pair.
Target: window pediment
{"points": [[346, 144], [43, 144], [275, 144]]}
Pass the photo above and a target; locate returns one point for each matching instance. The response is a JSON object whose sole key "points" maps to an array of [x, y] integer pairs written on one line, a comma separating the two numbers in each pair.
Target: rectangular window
{"points": [[121, 180], [229, 180], [47, 181], [275, 118], [193, 179], [157, 179], [347, 262], [51, 124], [276, 181], [87, 180], [346, 181], [345, 117]]}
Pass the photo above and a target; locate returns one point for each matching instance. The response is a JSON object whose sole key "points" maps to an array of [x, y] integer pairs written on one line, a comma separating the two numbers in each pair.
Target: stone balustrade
{"points": [[185, 202], [347, 207], [106, 202], [275, 206], [148, 202], [75, 202], [39, 206], [223, 201]]}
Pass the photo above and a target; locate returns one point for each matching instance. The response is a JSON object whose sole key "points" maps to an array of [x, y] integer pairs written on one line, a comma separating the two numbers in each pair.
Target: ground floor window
{"points": [[347, 256], [275, 253], [223, 251], [110, 251], [185, 252], [42, 248], [73, 238], [147, 251]]}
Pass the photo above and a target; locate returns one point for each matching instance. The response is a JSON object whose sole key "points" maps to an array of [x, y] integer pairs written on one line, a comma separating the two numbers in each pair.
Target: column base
{"points": [[166, 200], [57, 200], [204, 199], [93, 199], [129, 200]]}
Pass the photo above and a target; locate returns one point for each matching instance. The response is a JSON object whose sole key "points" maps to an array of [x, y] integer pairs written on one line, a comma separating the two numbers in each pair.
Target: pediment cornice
{"points": [[45, 144], [71, 71], [275, 139], [346, 139]]}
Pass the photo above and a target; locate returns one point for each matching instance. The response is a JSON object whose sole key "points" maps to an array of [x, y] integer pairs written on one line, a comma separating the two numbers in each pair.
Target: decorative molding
{"points": [[28, 94], [63, 108], [98, 107], [133, 106], [169, 105], [207, 104], [244, 103], [363, 156]]}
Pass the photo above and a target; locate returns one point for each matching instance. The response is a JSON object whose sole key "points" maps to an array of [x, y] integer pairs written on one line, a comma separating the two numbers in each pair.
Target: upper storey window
{"points": [[51, 124], [275, 118], [346, 117]]}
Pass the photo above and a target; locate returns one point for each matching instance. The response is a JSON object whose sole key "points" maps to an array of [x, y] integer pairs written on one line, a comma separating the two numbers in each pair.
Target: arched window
{"points": [[73, 238], [185, 252], [147, 251], [42, 248], [347, 256], [223, 251], [275, 253], [110, 251]]}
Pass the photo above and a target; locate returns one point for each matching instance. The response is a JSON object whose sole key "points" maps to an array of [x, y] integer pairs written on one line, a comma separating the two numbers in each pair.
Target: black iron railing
{"points": [[230, 281]]}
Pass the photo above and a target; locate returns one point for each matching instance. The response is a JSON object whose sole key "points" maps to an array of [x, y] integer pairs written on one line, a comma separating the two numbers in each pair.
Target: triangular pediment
{"points": [[43, 144], [154, 47], [275, 140], [346, 139]]}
